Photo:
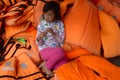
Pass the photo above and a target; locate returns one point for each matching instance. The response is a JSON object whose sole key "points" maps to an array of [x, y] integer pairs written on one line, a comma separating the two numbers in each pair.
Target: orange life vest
{"points": [[20, 67]]}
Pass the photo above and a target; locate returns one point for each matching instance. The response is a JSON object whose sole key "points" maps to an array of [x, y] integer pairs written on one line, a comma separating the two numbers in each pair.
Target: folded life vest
{"points": [[13, 9], [12, 30], [109, 8], [18, 13], [84, 30], [20, 67], [76, 71], [8, 69], [105, 71], [8, 2], [25, 17], [27, 70], [88, 67], [110, 35], [22, 42]]}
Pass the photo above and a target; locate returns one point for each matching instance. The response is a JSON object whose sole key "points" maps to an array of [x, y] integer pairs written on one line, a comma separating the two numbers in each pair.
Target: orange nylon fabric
{"points": [[110, 8], [76, 53], [76, 71], [26, 67], [12, 30], [82, 41], [88, 67], [63, 6], [30, 48], [110, 35], [38, 13], [101, 66], [69, 47], [16, 15], [82, 27], [20, 67], [105, 5], [8, 68]]}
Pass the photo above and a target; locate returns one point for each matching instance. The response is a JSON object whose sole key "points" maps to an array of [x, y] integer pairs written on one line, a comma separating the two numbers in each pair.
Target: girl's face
{"points": [[49, 16]]}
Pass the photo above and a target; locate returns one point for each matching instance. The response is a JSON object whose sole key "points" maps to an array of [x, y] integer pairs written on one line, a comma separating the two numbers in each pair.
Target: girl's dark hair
{"points": [[54, 6]]}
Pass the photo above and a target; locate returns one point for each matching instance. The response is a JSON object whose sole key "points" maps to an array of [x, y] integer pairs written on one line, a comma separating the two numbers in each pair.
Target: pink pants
{"points": [[54, 57]]}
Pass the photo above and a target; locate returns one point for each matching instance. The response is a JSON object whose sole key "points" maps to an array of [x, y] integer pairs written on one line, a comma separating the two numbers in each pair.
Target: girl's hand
{"points": [[51, 31]]}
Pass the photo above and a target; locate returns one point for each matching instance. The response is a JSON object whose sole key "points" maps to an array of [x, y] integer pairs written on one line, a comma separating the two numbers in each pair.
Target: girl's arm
{"points": [[61, 33], [41, 35]]}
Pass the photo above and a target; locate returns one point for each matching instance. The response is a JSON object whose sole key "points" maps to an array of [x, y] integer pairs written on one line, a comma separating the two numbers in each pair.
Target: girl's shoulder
{"points": [[59, 22], [42, 22]]}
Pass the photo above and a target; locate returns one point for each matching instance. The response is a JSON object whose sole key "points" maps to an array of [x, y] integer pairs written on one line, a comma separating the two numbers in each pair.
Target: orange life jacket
{"points": [[84, 30], [14, 47], [110, 35], [87, 67], [20, 67], [8, 69], [109, 8], [27, 70]]}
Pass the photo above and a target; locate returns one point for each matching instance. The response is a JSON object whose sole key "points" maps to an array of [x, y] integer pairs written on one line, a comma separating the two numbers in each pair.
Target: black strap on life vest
{"points": [[21, 77], [7, 76]]}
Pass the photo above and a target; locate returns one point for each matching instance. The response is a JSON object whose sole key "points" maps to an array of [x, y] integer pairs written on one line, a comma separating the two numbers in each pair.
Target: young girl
{"points": [[50, 37]]}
